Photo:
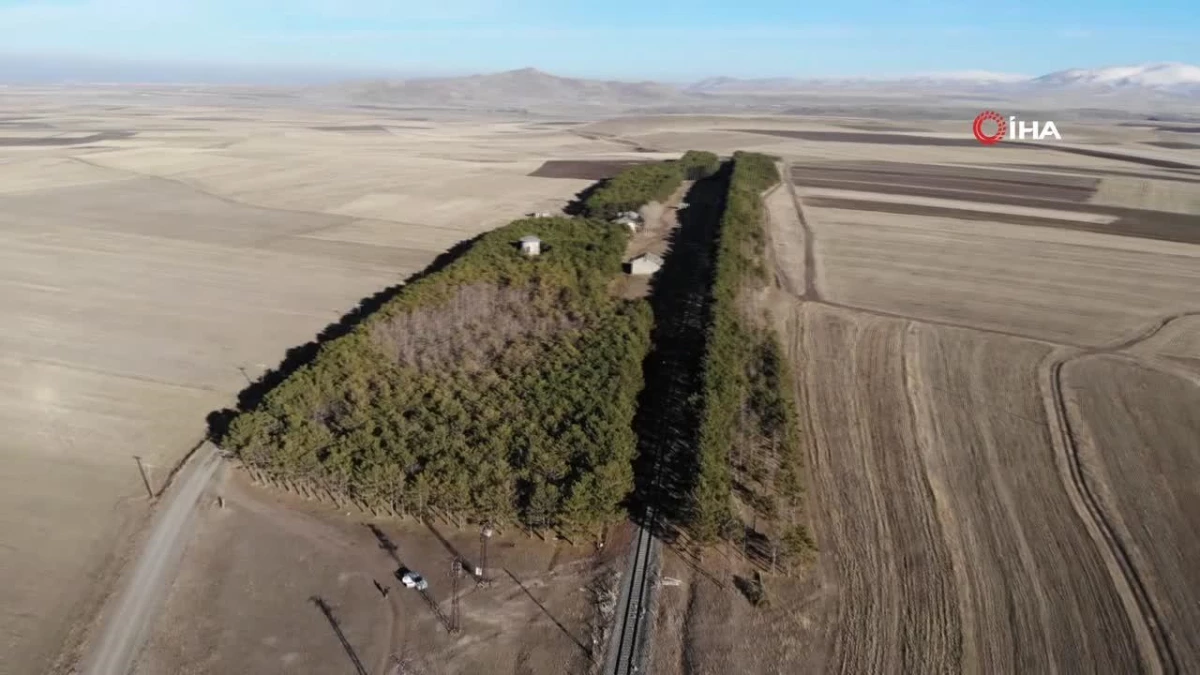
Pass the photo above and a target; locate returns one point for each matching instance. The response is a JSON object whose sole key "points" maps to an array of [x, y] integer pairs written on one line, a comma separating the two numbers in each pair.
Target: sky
{"points": [[621, 39]]}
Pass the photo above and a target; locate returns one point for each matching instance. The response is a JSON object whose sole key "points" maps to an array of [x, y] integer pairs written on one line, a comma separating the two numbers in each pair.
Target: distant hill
{"points": [[1159, 86], [514, 88], [1158, 76], [1158, 79]]}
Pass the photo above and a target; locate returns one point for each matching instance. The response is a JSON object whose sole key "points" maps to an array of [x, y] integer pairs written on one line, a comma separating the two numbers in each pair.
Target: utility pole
{"points": [[455, 572], [484, 535], [145, 480]]}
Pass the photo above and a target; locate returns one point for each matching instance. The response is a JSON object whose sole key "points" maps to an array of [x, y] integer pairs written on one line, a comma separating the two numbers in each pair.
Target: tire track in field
{"points": [[1154, 641], [879, 530], [1135, 429], [1144, 334], [1125, 624], [810, 290]]}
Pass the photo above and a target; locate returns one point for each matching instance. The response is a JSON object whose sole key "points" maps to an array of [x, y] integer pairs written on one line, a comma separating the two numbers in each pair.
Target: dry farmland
{"points": [[999, 417], [997, 386], [244, 598], [168, 253]]}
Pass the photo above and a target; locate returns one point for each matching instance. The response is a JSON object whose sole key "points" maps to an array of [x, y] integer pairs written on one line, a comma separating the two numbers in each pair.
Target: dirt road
{"points": [[128, 614]]}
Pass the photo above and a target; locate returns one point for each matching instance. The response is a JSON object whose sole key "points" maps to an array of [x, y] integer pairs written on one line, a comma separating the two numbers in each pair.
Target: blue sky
{"points": [[628, 39]]}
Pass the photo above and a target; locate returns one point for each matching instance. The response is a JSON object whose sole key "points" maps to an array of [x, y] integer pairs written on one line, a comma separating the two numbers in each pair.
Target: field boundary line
{"points": [[1163, 366], [1147, 333], [810, 292], [208, 193]]}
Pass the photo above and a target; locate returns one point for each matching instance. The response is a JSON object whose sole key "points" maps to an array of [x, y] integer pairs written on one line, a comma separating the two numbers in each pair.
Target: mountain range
{"points": [[1160, 77], [513, 88], [529, 87]]}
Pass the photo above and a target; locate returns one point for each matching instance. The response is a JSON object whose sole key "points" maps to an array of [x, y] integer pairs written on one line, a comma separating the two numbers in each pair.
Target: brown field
{"points": [[1160, 176], [1161, 226], [867, 137], [148, 275], [1135, 430], [976, 181], [1175, 145], [1178, 340], [1055, 284], [1136, 159], [583, 170], [992, 487], [935, 472], [788, 241], [242, 601], [145, 282]]}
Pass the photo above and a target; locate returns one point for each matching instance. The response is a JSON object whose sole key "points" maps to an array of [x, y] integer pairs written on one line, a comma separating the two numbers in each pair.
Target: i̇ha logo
{"points": [[990, 128]]}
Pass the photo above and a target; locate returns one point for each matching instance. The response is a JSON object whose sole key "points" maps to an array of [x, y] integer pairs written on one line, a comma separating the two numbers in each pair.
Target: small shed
{"points": [[645, 264], [531, 245]]}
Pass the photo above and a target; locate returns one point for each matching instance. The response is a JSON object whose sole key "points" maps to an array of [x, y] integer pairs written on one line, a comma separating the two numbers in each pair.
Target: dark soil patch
{"points": [[215, 118], [355, 128], [1111, 172], [857, 137], [1174, 145], [970, 189], [54, 141], [867, 126], [26, 125], [1039, 186], [1120, 157], [1131, 222], [940, 171], [1179, 130]]}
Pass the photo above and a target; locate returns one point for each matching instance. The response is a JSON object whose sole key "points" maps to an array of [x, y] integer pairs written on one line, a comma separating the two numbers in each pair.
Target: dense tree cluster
{"points": [[698, 164], [425, 409], [749, 447], [655, 182], [633, 187]]}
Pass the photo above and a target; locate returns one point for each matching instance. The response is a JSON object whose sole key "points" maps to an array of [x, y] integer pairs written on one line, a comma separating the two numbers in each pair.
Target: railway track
{"points": [[625, 648], [666, 427]]}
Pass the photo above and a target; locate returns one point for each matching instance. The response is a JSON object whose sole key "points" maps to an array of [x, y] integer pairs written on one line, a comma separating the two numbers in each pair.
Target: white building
{"points": [[629, 219], [645, 264], [531, 245]]}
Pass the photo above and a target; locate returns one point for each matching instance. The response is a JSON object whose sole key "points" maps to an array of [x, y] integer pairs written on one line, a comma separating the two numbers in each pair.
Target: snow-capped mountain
{"points": [[728, 85], [1153, 75], [971, 76], [1165, 78]]}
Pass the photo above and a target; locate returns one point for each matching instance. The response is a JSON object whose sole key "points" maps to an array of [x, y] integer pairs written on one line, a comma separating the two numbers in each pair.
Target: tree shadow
{"points": [[561, 627], [669, 407], [385, 543], [578, 204], [752, 588], [691, 558], [298, 357], [454, 552], [437, 610], [337, 629]]}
